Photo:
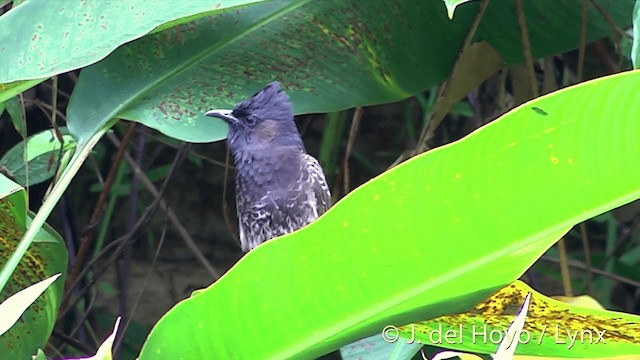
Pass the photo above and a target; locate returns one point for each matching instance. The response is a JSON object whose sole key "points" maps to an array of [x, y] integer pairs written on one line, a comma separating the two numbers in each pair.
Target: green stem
{"points": [[48, 205]]}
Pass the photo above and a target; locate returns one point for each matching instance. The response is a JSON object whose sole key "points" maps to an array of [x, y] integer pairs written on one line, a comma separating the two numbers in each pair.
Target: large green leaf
{"points": [[47, 256], [430, 237], [330, 55], [43, 38], [15, 111], [13, 307], [72, 34], [39, 156], [9, 90]]}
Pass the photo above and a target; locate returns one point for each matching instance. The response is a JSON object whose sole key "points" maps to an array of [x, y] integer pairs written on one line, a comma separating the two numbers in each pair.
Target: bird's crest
{"points": [[269, 103]]}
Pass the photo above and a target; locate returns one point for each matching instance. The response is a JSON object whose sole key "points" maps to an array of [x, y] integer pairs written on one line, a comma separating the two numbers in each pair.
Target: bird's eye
{"points": [[251, 120]]}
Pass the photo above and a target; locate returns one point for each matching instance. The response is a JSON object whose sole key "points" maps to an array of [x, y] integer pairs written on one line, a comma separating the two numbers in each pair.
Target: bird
{"points": [[279, 187]]}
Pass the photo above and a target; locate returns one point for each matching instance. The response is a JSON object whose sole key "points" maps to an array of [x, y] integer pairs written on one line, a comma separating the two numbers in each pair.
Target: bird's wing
{"points": [[282, 209], [318, 184], [259, 220]]}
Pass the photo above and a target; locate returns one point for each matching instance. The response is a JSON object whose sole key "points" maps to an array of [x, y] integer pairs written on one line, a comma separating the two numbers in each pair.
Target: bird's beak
{"points": [[224, 115]]}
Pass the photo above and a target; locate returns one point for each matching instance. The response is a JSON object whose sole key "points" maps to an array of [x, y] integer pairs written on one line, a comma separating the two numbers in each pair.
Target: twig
{"points": [[58, 91], [564, 268], [43, 105], [85, 242], [124, 265], [25, 135], [88, 306], [526, 44], [56, 131], [120, 242], [430, 127], [617, 32], [583, 40], [587, 256], [355, 123], [71, 341], [186, 237], [622, 242], [123, 329], [161, 140], [579, 265]]}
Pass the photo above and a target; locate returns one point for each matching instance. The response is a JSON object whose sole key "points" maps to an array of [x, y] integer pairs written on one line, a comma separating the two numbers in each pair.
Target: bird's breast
{"points": [[266, 171]]}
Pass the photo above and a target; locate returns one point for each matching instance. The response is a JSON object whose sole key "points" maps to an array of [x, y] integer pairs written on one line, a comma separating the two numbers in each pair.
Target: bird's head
{"points": [[265, 120]]}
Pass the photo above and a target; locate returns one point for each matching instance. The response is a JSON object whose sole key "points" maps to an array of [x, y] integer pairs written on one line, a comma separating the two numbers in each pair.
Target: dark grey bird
{"points": [[279, 187]]}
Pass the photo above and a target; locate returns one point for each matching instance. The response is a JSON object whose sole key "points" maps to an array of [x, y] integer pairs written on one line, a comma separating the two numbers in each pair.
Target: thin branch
{"points": [[579, 265], [121, 242], [68, 340], [564, 268], [82, 318], [587, 256], [193, 153], [526, 44], [123, 329], [60, 92], [355, 123], [617, 32], [85, 242], [430, 127], [43, 105], [583, 40], [56, 131], [625, 238], [25, 136], [184, 234], [476, 23]]}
